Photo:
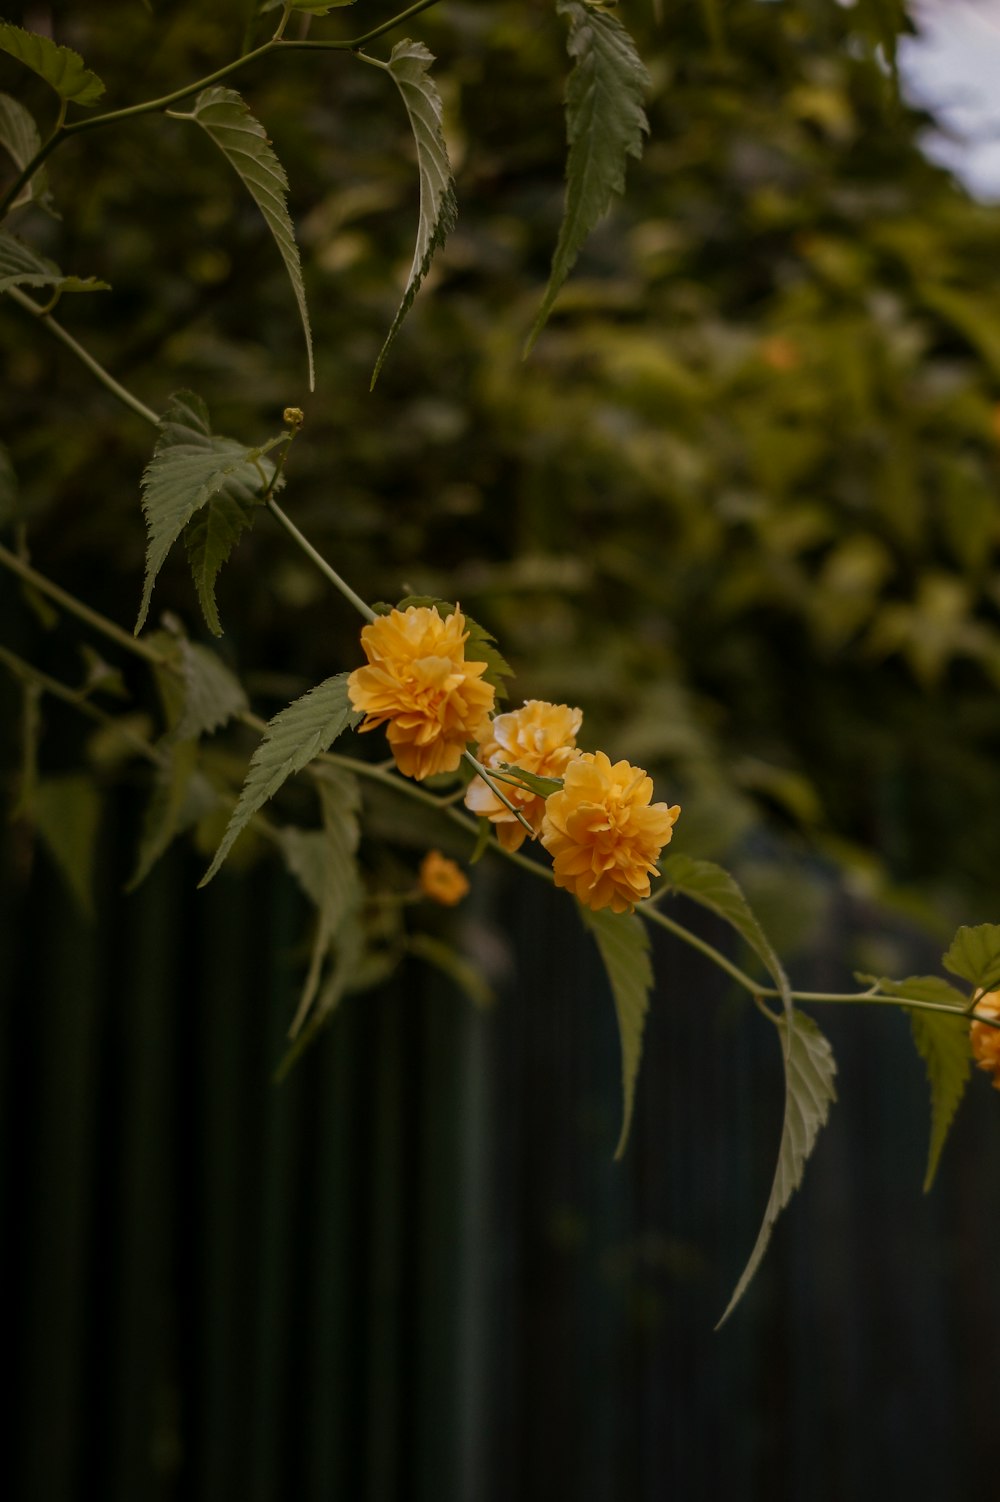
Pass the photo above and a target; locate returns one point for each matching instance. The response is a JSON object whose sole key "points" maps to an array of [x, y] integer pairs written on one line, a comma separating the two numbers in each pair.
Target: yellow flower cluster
{"points": [[420, 686], [540, 738], [985, 1040], [603, 832], [601, 827]]}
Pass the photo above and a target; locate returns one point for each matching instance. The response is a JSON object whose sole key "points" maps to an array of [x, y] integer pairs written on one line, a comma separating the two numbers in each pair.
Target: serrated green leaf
{"points": [[623, 942], [225, 116], [8, 490], [480, 646], [212, 695], [20, 139], [974, 955], [209, 539], [712, 887], [61, 67], [469, 980], [20, 266], [409, 64], [181, 796], [291, 740], [810, 1070], [943, 1044], [67, 816], [605, 124], [190, 466], [324, 863]]}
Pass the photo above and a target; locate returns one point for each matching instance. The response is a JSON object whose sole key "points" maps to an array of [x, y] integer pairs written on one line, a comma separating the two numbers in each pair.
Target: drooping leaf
{"points": [[8, 489], [623, 942], [605, 124], [61, 67], [974, 955], [293, 737], [444, 957], [712, 887], [409, 64], [225, 117], [181, 796], [209, 539], [943, 1044], [479, 647], [20, 266], [20, 139], [67, 816], [190, 467], [810, 1070], [212, 695]]}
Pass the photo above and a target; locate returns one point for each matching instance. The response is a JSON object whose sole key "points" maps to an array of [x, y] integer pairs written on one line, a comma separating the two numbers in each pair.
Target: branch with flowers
{"points": [[514, 781]]}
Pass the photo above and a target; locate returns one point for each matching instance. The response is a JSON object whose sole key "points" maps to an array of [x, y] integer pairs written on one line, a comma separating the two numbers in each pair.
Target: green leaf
{"points": [[325, 865], [209, 539], [809, 1092], [943, 1044], [469, 980], [225, 117], [605, 124], [409, 64], [623, 942], [8, 490], [20, 266], [291, 740], [712, 887], [974, 955], [543, 786], [61, 67], [189, 467], [212, 694], [479, 647], [181, 796], [67, 816], [20, 139]]}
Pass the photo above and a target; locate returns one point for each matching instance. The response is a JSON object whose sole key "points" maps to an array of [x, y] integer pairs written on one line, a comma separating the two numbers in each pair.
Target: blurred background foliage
{"points": [[740, 502]]}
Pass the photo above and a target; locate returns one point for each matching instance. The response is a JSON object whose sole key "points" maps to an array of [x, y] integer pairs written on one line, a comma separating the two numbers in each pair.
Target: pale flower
{"points": [[985, 1040], [603, 833], [540, 738], [441, 880], [419, 685]]}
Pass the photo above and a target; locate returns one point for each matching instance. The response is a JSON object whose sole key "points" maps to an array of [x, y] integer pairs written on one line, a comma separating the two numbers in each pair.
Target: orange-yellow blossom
{"points": [[985, 1040], [541, 738], [441, 880], [603, 833], [420, 686]]}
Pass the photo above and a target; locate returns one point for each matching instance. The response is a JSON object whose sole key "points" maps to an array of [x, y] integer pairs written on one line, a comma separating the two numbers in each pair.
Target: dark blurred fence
{"points": [[414, 1272]]}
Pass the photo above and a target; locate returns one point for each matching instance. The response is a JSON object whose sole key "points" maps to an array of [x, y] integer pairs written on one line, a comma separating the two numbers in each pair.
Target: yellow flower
{"points": [[418, 680], [541, 738], [441, 880], [985, 1040], [603, 833]]}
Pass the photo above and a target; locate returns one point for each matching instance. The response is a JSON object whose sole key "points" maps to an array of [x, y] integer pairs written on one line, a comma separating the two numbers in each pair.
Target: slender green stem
{"points": [[357, 42], [653, 915], [28, 673], [29, 169], [94, 366], [134, 644], [497, 791], [331, 573]]}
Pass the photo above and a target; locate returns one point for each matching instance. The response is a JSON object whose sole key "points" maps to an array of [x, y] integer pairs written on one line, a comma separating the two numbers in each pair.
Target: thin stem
{"points": [[653, 915], [94, 366], [320, 562], [28, 673], [29, 169], [357, 42], [497, 791], [133, 644]]}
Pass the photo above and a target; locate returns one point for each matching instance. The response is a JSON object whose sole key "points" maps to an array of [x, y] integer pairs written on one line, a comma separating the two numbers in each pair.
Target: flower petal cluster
{"points": [[541, 738], [441, 880], [604, 834], [985, 1040], [419, 685]]}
